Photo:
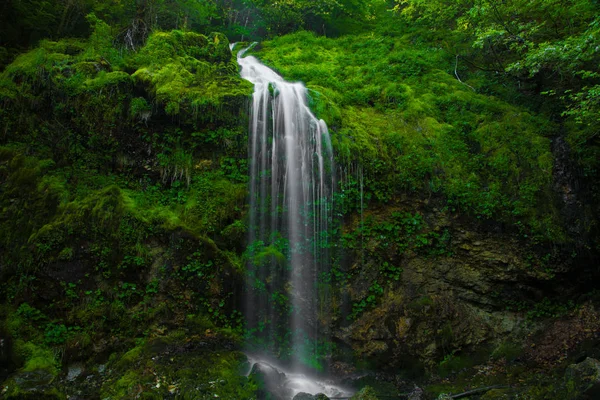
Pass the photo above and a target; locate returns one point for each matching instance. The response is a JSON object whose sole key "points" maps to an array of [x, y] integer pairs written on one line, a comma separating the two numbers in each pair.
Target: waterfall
{"points": [[291, 187]]}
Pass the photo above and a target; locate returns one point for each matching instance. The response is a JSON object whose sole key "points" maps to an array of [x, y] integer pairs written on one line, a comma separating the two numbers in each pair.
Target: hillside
{"points": [[461, 243]]}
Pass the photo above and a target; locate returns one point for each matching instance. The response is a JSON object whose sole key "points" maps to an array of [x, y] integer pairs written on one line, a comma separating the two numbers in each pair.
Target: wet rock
{"points": [[270, 380], [74, 371], [304, 396], [308, 396], [37, 384], [342, 369], [33, 380], [586, 377], [572, 195], [457, 302]]}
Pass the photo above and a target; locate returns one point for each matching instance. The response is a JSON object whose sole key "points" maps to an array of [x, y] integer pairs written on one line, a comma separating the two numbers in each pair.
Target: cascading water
{"points": [[291, 187]]}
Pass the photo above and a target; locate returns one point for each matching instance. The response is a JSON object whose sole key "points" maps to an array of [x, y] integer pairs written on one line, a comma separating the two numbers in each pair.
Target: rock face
{"points": [[469, 292], [586, 378]]}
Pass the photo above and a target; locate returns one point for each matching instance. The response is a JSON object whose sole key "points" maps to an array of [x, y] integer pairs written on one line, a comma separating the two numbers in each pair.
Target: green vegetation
{"points": [[192, 372], [544, 48], [451, 76], [466, 143], [123, 195], [412, 126]]}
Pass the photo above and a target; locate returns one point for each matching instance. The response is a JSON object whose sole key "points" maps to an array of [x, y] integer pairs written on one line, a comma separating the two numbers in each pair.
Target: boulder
{"points": [[36, 384], [270, 380], [308, 396], [304, 396], [585, 377]]}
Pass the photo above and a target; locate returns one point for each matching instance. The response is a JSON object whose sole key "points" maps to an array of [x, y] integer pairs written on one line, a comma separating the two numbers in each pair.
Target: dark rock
{"points": [[270, 380], [34, 380], [304, 396], [458, 302], [75, 371], [308, 396], [586, 377], [572, 195], [36, 385]]}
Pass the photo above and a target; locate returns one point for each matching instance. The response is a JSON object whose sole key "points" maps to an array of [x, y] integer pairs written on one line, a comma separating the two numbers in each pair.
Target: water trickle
{"points": [[291, 186]]}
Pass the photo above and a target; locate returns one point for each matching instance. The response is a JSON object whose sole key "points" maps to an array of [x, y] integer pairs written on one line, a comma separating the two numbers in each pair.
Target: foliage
{"points": [[117, 216], [406, 124], [37, 357], [549, 47], [123, 164]]}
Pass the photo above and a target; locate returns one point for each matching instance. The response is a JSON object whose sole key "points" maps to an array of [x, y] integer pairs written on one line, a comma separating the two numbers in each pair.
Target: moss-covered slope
{"points": [[399, 112], [122, 191]]}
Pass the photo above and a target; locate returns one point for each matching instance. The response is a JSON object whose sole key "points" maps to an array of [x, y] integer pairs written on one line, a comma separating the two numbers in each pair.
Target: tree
{"points": [[550, 45]]}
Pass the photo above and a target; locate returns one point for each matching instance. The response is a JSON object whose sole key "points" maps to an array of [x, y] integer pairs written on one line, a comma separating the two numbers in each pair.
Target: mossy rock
{"points": [[168, 365], [584, 378], [191, 75], [30, 385], [107, 80], [219, 47], [366, 393]]}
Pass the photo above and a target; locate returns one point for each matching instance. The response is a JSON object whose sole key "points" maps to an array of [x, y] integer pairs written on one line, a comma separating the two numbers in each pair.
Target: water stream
{"points": [[291, 187]]}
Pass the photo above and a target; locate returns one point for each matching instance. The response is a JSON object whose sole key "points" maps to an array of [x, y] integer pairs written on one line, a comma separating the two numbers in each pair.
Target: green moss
{"points": [[106, 80], [140, 108], [267, 254], [125, 387], [508, 351], [452, 364], [199, 373], [191, 74], [112, 210], [16, 392], [366, 393], [397, 110], [198, 323], [37, 357], [130, 357]]}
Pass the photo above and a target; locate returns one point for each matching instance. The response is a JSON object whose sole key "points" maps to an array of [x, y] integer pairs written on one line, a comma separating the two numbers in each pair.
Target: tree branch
{"points": [[458, 77]]}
